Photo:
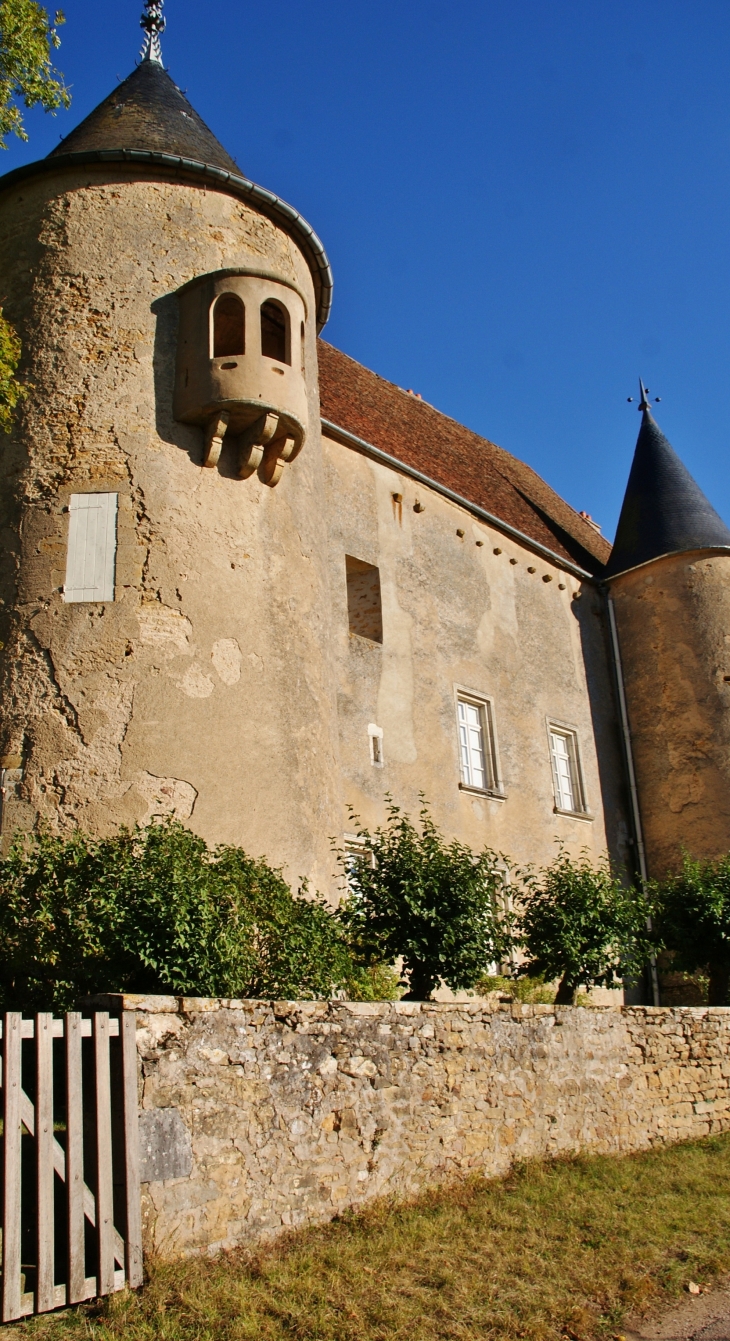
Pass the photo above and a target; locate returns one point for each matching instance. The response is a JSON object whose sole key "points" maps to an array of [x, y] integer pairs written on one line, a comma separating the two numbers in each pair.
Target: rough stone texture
{"points": [[298, 1110], [204, 689], [673, 617]]}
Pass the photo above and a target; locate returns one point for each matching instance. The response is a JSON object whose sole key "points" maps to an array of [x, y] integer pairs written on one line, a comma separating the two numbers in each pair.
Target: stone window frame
{"points": [[555, 726], [486, 704]]}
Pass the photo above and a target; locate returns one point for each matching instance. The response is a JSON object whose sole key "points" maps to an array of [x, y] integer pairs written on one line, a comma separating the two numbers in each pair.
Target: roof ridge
{"points": [[360, 401], [502, 458]]}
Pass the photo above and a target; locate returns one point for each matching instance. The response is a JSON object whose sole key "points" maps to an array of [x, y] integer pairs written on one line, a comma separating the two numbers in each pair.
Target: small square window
{"points": [[567, 774], [477, 744]]}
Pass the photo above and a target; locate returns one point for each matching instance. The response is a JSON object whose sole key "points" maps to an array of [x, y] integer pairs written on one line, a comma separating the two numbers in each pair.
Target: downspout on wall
{"points": [[631, 774]]}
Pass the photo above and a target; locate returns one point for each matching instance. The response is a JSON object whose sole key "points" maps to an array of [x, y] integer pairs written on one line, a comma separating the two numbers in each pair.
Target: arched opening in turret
{"points": [[228, 326], [275, 342]]}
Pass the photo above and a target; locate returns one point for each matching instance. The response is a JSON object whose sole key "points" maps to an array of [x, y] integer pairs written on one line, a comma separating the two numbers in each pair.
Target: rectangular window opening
{"points": [[567, 778], [92, 544], [477, 752], [364, 607], [376, 745]]}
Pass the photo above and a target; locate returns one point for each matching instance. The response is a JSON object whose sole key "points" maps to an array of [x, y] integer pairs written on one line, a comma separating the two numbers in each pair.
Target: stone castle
{"points": [[248, 582]]}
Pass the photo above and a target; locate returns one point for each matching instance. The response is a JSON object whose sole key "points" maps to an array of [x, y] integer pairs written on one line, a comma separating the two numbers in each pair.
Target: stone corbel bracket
{"points": [[264, 448]]}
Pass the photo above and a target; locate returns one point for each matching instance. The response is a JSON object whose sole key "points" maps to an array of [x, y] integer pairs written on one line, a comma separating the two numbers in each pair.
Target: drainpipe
{"points": [[633, 790]]}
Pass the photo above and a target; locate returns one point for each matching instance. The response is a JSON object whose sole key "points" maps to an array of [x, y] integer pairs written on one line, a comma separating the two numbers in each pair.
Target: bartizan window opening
{"points": [[565, 759], [229, 327], [364, 605], [275, 331], [478, 755]]}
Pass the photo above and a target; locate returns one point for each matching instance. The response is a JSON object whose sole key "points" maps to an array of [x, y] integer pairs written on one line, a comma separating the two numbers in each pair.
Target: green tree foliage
{"points": [[580, 925], [27, 76], [11, 390], [436, 904], [155, 910], [691, 916]]}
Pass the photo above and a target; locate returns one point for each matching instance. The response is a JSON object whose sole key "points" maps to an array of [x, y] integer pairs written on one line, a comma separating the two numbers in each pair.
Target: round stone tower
{"points": [[669, 580], [163, 583]]}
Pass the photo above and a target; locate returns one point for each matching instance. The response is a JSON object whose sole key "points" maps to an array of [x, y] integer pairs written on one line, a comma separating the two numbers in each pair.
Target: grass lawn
{"points": [[555, 1250]]}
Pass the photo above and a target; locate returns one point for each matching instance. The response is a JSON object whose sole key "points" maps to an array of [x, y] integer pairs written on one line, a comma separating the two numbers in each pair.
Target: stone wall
{"points": [[259, 1116]]}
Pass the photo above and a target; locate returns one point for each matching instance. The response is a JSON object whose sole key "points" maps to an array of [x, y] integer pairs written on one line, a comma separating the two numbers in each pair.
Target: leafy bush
{"points": [[528, 991], [11, 390], [372, 982], [580, 925], [691, 915], [155, 910], [435, 904]]}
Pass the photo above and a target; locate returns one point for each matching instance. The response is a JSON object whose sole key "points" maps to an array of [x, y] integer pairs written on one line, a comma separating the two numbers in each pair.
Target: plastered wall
{"points": [[259, 1116], [479, 612]]}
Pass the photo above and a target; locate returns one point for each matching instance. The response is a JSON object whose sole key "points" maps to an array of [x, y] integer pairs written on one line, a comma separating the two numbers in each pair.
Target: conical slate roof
{"points": [[147, 111], [664, 510]]}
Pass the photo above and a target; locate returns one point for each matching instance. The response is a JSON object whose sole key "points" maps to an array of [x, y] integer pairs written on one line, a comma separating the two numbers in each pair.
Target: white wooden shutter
{"points": [[92, 546]]}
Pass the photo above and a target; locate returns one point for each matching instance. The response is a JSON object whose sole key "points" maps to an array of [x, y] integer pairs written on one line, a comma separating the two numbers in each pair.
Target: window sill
{"points": [[483, 791], [574, 814]]}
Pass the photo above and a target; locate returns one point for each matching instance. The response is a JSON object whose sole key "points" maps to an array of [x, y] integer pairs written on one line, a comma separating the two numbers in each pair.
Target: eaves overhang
{"points": [[701, 550], [188, 169], [348, 439]]}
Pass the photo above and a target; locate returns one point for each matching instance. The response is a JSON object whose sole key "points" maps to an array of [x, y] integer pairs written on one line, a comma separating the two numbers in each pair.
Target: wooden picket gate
{"points": [[71, 1216]]}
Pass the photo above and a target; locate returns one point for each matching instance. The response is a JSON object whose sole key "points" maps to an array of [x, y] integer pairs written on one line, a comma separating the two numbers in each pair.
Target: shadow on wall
{"points": [[605, 717], [187, 437]]}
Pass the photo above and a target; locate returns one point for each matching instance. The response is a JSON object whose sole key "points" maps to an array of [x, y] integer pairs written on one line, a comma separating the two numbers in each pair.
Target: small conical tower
{"points": [[669, 578], [162, 489]]}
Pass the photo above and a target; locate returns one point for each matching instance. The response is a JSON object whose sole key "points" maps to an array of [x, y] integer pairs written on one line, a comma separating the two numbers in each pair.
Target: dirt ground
{"points": [[703, 1317]]}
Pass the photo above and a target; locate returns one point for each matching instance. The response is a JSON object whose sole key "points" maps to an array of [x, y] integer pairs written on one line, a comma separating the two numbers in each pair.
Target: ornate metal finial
{"points": [[644, 403], [154, 25]]}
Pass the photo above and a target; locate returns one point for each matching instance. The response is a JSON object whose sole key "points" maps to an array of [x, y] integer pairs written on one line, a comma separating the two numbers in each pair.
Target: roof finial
{"points": [[154, 24], [644, 403]]}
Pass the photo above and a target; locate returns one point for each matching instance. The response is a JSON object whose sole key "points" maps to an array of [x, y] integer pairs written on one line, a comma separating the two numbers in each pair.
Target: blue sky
{"points": [[526, 205]]}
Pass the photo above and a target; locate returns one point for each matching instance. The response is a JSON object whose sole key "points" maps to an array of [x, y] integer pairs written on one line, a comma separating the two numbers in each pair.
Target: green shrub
{"points": [[437, 905], [691, 916], [529, 991], [580, 925], [154, 910], [11, 390]]}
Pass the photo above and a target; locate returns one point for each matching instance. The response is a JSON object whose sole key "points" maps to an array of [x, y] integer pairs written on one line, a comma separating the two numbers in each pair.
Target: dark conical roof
{"points": [[664, 510], [147, 111]]}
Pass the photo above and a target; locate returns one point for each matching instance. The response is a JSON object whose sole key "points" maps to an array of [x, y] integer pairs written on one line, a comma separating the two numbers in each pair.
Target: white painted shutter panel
{"points": [[564, 789], [92, 546]]}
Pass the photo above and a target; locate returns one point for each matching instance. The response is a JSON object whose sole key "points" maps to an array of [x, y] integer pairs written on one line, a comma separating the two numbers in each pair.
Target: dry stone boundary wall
{"points": [[258, 1116]]}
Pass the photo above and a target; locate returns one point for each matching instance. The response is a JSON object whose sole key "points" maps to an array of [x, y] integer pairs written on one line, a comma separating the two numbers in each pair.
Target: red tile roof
{"points": [[419, 436]]}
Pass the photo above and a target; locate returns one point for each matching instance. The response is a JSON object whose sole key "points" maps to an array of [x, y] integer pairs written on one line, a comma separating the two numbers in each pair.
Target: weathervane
{"points": [[644, 397], [154, 25]]}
